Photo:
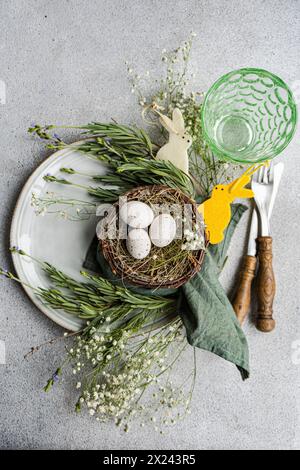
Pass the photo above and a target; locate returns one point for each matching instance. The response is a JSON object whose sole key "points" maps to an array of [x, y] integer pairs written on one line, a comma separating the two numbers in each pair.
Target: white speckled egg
{"points": [[138, 243], [136, 214], [162, 230]]}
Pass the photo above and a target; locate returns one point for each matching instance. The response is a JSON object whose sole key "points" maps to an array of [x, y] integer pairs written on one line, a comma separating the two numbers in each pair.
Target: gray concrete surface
{"points": [[63, 61]]}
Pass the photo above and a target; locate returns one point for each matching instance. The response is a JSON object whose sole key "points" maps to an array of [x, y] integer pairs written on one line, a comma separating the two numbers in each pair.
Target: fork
{"points": [[262, 186]]}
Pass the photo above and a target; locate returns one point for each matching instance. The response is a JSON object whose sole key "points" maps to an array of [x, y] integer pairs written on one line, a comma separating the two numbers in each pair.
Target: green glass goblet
{"points": [[248, 116]]}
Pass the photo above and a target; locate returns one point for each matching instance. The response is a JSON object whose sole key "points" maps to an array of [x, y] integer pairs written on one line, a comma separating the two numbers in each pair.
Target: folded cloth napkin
{"points": [[203, 305], [206, 312]]}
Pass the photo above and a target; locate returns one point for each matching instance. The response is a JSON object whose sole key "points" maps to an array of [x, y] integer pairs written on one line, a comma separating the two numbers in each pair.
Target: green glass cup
{"points": [[248, 116]]}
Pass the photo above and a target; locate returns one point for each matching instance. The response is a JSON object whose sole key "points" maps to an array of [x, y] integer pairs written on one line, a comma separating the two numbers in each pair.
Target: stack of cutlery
{"points": [[258, 261]]}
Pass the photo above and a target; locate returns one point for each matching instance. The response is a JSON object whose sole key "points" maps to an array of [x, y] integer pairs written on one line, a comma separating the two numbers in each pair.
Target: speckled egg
{"points": [[162, 230], [137, 214], [138, 243]]}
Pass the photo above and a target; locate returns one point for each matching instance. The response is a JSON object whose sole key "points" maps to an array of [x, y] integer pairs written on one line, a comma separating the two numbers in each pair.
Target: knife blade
{"points": [[251, 251]]}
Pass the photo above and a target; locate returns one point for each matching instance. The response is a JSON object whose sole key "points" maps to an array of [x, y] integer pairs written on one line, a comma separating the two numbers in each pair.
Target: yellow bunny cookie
{"points": [[216, 210]]}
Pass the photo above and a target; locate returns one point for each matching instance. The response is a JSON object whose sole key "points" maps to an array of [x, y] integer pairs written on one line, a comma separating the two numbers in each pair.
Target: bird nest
{"points": [[170, 266]]}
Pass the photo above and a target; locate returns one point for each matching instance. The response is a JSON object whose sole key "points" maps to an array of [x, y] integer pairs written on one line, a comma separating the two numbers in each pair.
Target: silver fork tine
{"points": [[257, 176], [271, 172], [260, 175], [265, 175]]}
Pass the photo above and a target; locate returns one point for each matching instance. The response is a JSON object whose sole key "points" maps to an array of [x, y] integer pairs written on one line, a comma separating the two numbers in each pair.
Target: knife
{"points": [[242, 299]]}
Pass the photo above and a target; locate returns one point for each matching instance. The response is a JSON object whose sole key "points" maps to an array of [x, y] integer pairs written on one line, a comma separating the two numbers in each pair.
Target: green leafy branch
{"points": [[128, 155], [98, 299], [111, 139]]}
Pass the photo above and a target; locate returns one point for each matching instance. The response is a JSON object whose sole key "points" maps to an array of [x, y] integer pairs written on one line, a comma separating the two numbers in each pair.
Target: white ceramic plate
{"points": [[63, 243]]}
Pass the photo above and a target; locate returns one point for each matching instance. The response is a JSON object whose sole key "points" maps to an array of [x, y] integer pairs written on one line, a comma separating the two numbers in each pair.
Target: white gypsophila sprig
{"points": [[66, 208], [174, 91], [193, 240], [122, 371], [171, 90]]}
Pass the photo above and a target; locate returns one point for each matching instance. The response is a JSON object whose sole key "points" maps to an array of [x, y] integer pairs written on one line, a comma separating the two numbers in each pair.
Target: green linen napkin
{"points": [[206, 312], [203, 305]]}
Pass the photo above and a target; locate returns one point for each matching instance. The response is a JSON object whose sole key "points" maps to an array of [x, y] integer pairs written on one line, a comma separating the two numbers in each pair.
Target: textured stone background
{"points": [[63, 61]]}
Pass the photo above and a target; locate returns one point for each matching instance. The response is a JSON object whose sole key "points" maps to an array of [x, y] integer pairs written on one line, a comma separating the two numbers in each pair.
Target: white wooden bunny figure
{"points": [[175, 150]]}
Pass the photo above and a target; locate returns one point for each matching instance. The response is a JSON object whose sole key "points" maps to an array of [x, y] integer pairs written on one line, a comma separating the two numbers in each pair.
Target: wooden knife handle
{"points": [[265, 285], [242, 300]]}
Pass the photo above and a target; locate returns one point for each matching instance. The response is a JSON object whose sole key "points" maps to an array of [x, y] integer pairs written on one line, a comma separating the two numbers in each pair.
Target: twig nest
{"points": [[138, 243], [162, 230], [167, 261], [136, 214]]}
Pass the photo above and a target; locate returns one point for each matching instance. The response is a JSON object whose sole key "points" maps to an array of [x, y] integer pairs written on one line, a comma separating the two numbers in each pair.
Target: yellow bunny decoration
{"points": [[216, 210]]}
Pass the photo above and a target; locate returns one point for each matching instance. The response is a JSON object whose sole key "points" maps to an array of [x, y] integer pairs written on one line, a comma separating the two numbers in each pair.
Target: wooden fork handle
{"points": [[265, 285], [242, 300]]}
